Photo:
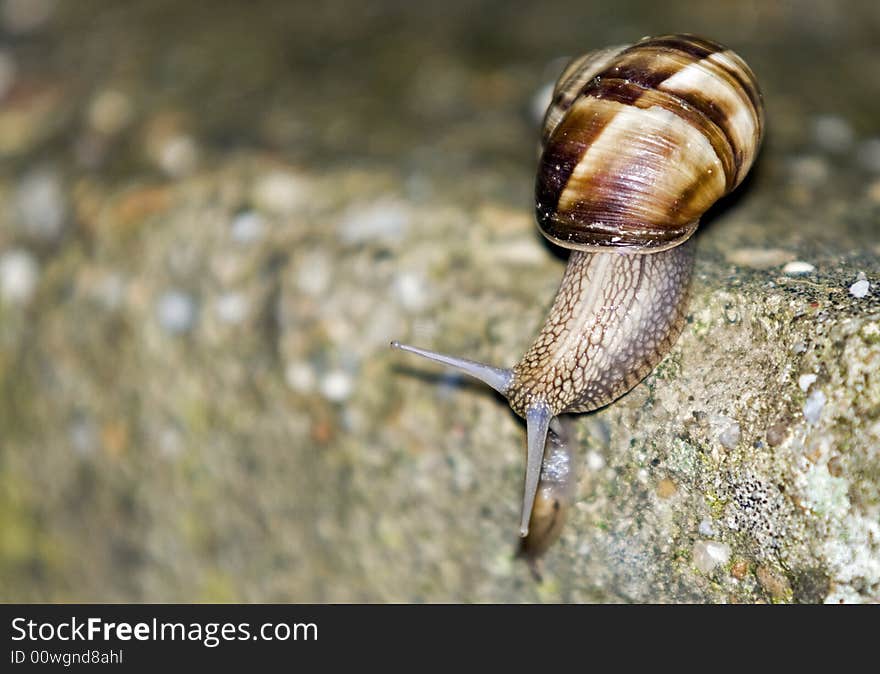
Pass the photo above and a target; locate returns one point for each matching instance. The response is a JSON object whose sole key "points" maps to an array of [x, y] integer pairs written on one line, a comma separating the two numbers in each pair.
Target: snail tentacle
{"points": [[556, 492], [538, 419], [496, 377]]}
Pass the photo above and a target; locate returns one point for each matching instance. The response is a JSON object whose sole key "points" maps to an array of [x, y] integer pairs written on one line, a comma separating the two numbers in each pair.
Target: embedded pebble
{"points": [[300, 377], [773, 583], [411, 291], [860, 288], [232, 308], [730, 436], [739, 569], [798, 267], [178, 155], [176, 312], [41, 204], [247, 227], [110, 112], [170, 441], [868, 155], [799, 347], [8, 70], [519, 252], [383, 220], [666, 488], [832, 133], [336, 386], [759, 258], [280, 192], [595, 461], [809, 170], [805, 381], [813, 406], [19, 275], [777, 433], [705, 528], [708, 554]]}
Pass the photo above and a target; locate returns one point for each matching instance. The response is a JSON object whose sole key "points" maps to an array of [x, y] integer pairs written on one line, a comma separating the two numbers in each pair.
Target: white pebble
{"points": [[41, 204], [178, 156], [300, 377], [336, 386], [232, 308], [805, 381], [860, 288], [595, 461], [832, 133], [411, 291], [798, 267], [19, 275], [176, 312], [519, 252], [759, 258], [170, 442], [730, 436], [809, 171], [280, 192], [813, 406], [247, 227], [709, 554], [383, 220], [8, 70], [705, 528]]}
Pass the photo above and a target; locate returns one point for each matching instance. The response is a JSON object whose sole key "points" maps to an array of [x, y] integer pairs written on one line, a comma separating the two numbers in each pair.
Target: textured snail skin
{"points": [[638, 142], [614, 318]]}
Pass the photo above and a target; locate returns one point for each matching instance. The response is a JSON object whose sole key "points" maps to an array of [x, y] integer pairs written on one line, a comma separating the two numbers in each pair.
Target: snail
{"points": [[637, 143]]}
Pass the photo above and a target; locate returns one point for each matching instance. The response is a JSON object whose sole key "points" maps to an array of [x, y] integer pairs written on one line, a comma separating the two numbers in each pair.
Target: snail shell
{"points": [[638, 142]]}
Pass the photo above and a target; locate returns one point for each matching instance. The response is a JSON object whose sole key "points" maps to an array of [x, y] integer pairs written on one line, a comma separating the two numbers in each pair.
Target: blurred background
{"points": [[216, 215]]}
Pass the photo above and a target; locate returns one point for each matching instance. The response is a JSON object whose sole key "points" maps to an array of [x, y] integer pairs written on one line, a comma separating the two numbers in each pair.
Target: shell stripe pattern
{"points": [[640, 141], [574, 78]]}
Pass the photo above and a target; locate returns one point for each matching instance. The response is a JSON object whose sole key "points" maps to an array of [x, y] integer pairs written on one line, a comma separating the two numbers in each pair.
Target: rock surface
{"points": [[218, 221]]}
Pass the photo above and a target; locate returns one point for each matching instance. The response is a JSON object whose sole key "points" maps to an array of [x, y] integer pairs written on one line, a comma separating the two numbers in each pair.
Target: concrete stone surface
{"points": [[217, 219]]}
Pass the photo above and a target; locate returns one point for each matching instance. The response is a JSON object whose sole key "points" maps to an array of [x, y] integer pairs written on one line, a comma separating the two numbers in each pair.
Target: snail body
{"points": [[637, 143], [555, 492]]}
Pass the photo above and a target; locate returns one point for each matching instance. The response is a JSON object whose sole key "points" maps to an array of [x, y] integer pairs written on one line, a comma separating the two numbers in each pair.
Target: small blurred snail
{"points": [[638, 142]]}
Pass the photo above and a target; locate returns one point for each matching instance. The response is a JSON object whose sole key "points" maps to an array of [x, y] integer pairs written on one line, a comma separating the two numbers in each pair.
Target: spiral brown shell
{"points": [[640, 141]]}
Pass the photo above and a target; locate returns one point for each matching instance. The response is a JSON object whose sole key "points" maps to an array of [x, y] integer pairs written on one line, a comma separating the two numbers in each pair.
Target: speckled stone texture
{"points": [[217, 219]]}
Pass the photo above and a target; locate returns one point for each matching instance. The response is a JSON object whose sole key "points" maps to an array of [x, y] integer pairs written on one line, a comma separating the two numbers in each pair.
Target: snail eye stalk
{"points": [[496, 377]]}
